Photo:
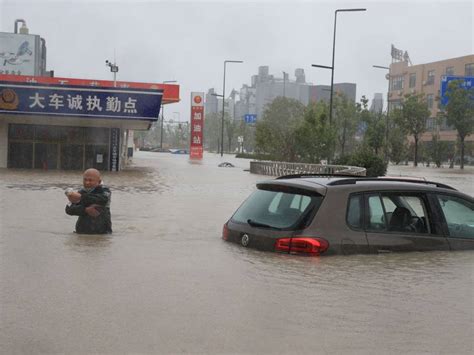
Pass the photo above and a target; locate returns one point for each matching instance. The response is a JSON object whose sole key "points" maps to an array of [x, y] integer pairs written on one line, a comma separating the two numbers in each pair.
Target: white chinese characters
{"points": [[83, 103]]}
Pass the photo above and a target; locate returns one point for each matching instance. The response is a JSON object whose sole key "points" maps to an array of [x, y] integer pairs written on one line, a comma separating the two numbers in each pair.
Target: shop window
{"points": [[20, 155], [97, 135], [20, 131]]}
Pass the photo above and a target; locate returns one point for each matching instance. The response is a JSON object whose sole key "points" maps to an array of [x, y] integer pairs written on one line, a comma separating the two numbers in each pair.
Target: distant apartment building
{"points": [[323, 92], [426, 79], [265, 87], [377, 103], [213, 104]]}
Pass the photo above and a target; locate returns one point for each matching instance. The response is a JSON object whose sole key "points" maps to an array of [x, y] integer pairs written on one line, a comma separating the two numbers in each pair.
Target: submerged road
{"points": [[164, 281]]}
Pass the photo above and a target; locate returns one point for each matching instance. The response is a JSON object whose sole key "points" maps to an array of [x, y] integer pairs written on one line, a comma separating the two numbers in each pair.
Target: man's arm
{"points": [[98, 198], [75, 209]]}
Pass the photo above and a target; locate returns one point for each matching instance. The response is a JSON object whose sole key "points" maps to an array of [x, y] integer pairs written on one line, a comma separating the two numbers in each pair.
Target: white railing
{"points": [[279, 168]]}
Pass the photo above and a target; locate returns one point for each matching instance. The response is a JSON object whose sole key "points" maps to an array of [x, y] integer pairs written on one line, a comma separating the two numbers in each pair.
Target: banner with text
{"points": [[197, 125], [49, 100]]}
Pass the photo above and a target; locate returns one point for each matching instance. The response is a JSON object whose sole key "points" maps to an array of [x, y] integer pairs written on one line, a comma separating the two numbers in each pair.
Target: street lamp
{"points": [[333, 56], [162, 113], [388, 108], [114, 69], [223, 103]]}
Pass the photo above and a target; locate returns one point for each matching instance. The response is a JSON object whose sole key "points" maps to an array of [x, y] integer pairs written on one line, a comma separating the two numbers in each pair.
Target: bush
{"points": [[363, 158]]}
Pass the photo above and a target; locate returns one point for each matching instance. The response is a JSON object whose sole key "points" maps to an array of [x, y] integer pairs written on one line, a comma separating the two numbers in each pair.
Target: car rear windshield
{"points": [[274, 208]]}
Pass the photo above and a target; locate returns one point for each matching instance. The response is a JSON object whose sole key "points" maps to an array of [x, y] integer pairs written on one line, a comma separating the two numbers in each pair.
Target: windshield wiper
{"points": [[262, 225]]}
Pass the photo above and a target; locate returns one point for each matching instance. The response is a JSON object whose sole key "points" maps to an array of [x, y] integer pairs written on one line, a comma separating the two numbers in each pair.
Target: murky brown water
{"points": [[165, 282]]}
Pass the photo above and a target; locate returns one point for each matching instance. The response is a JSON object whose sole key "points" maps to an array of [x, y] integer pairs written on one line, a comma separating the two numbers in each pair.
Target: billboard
{"points": [[467, 82], [197, 125], [19, 54], [88, 102]]}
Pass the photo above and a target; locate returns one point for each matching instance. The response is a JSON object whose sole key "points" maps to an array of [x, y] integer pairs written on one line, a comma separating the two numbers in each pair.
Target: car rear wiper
{"points": [[262, 225]]}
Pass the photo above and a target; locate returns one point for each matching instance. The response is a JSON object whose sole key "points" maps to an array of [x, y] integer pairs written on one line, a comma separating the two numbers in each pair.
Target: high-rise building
{"points": [[377, 103], [265, 87]]}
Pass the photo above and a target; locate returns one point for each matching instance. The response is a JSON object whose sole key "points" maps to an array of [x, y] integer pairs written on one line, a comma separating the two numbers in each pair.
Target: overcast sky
{"points": [[188, 41]]}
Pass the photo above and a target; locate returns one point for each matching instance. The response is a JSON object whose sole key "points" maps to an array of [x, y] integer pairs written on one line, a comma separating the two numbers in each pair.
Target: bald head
{"points": [[91, 178]]}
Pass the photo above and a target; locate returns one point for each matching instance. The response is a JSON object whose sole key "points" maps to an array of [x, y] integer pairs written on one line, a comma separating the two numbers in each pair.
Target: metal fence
{"points": [[278, 168]]}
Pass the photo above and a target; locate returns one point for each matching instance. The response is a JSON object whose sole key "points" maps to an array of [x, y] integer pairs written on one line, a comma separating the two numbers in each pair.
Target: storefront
{"points": [[73, 126]]}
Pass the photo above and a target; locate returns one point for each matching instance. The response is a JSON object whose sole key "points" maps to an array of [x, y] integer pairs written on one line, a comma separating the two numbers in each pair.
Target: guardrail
{"points": [[278, 168]]}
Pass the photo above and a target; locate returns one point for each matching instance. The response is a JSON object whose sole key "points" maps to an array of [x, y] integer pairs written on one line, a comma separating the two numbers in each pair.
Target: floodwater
{"points": [[164, 281]]}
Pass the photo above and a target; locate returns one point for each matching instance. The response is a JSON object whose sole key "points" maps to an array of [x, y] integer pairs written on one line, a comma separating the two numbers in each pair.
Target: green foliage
{"points": [[365, 158], [374, 136], [275, 134], [315, 135], [346, 120], [398, 144], [412, 116], [460, 112], [439, 151]]}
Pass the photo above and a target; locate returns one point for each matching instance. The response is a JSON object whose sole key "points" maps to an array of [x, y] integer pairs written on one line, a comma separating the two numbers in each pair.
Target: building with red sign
{"points": [[67, 123]]}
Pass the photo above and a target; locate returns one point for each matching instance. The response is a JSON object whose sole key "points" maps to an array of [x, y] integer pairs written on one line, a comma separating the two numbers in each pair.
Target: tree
{"points": [[438, 150], [212, 132], [397, 141], [345, 120], [412, 117], [275, 133], [315, 136], [230, 126], [375, 134], [460, 111]]}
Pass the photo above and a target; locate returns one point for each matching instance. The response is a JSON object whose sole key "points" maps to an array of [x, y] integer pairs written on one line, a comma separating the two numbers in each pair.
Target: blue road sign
{"points": [[250, 118], [467, 82]]}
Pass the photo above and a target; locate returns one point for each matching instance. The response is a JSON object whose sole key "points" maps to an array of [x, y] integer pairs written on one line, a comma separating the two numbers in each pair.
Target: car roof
{"points": [[322, 184]]}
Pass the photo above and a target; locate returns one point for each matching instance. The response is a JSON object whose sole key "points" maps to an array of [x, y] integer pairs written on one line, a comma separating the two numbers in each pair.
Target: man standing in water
{"points": [[91, 204]]}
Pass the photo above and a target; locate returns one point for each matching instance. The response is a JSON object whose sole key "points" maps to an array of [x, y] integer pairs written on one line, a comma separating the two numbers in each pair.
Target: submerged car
{"points": [[327, 215]]}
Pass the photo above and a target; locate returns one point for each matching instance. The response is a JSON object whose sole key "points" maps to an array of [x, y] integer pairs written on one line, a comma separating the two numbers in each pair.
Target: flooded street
{"points": [[164, 281]]}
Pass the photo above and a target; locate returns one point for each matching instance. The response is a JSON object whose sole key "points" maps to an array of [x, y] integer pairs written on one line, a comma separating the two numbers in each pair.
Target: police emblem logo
{"points": [[8, 99], [245, 240]]}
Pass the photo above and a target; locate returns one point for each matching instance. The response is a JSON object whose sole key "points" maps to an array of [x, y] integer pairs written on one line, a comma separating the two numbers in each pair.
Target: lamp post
{"points": [[333, 57], [223, 104], [388, 109], [163, 115]]}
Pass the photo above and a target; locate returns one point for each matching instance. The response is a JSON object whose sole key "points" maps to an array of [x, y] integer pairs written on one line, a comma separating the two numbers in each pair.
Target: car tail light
{"points": [[303, 245], [225, 232]]}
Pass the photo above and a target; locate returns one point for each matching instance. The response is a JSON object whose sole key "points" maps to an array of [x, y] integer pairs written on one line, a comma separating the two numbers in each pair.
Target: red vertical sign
{"points": [[197, 125]]}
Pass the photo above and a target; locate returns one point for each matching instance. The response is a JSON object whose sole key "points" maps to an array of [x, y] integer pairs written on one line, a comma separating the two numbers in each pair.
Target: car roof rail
{"points": [[297, 176], [382, 179]]}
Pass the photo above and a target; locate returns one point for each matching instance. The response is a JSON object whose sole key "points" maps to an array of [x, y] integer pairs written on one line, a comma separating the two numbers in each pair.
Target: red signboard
{"points": [[170, 91], [197, 125]]}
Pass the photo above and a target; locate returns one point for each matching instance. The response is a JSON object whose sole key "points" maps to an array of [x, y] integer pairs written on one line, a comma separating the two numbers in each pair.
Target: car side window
{"points": [[397, 212], [354, 212], [376, 213], [459, 215]]}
